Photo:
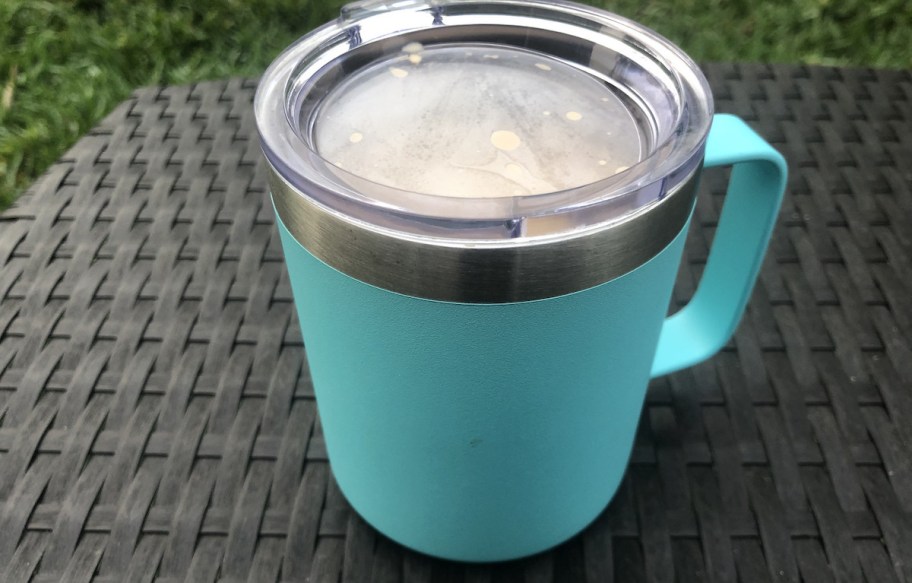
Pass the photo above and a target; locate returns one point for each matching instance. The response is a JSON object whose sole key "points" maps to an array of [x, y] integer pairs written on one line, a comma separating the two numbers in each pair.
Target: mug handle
{"points": [[704, 325]]}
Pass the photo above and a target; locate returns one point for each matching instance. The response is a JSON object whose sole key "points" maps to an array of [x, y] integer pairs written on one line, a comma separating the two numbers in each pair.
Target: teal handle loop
{"points": [[703, 326]]}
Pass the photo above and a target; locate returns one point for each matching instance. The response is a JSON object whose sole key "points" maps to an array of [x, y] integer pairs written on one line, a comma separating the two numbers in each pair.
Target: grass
{"points": [[64, 64]]}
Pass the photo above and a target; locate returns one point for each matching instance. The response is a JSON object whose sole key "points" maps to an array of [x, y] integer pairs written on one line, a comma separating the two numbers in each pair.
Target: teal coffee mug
{"points": [[483, 207]]}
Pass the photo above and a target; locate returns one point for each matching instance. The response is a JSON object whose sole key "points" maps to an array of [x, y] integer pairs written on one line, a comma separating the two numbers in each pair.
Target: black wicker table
{"points": [[157, 421]]}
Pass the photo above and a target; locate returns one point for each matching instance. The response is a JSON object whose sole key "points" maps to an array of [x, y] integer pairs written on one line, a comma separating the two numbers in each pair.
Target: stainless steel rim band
{"points": [[499, 272]]}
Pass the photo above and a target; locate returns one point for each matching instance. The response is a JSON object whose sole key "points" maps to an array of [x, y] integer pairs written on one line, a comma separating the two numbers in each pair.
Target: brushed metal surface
{"points": [[511, 270]]}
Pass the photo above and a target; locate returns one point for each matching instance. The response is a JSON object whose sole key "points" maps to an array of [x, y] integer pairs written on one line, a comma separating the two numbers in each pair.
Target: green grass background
{"points": [[65, 63]]}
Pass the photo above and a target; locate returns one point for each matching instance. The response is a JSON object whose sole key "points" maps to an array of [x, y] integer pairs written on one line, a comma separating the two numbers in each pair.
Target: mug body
{"points": [[479, 432], [481, 270]]}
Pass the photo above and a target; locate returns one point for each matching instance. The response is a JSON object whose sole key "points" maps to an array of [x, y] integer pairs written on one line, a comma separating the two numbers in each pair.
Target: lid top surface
{"points": [[477, 120]]}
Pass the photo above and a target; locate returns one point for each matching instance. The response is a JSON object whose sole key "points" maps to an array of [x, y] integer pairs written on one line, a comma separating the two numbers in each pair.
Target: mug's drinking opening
{"points": [[474, 121]]}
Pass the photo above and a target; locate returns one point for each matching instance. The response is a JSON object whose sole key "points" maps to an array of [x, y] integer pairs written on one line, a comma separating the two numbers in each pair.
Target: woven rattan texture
{"points": [[157, 420]]}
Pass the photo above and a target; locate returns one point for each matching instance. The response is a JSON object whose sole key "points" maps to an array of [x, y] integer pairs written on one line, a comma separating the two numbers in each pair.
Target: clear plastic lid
{"points": [[470, 120]]}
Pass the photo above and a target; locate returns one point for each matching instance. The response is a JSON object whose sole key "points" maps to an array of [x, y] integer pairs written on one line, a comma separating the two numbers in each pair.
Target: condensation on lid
{"points": [[476, 120]]}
